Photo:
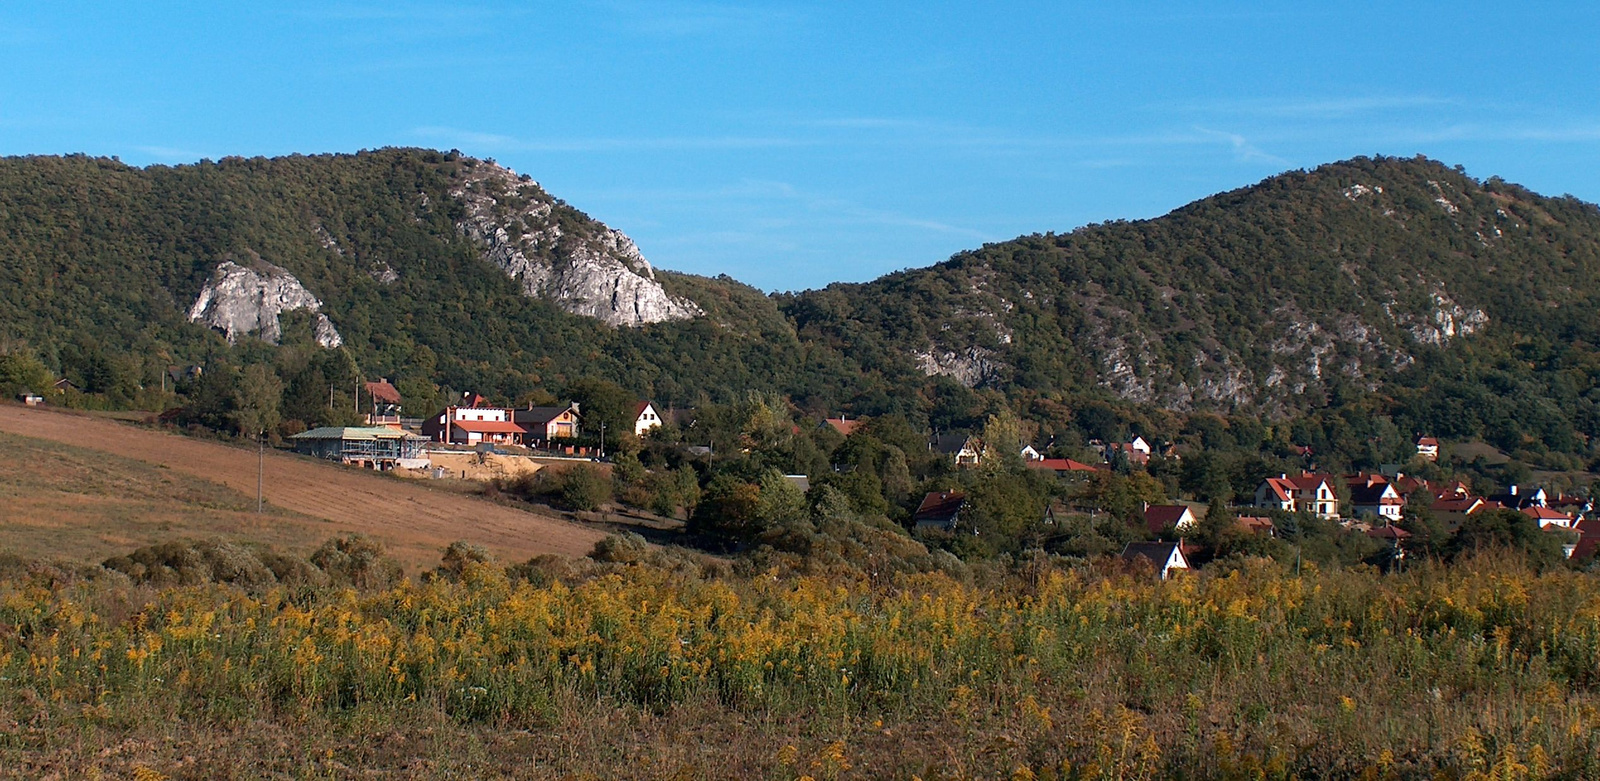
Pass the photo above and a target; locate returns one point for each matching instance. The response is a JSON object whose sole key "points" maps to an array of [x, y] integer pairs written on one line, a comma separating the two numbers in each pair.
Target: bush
{"points": [[585, 487], [355, 560]]}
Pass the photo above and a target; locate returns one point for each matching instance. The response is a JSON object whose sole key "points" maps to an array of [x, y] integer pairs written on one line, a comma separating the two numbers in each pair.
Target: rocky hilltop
{"points": [[587, 269]]}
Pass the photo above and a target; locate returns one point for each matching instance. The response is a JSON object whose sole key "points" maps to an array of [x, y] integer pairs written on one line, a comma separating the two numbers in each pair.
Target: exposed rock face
{"points": [[598, 274], [239, 301], [972, 367]]}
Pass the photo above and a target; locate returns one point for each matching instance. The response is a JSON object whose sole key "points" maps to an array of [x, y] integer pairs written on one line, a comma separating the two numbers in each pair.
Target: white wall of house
{"points": [[648, 419]]}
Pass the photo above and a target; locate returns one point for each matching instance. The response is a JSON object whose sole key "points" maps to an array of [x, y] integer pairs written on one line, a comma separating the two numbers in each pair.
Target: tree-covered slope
{"points": [[1396, 290], [1266, 298], [99, 256]]}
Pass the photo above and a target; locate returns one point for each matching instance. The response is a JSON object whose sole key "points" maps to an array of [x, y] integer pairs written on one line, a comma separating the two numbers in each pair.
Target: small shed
{"points": [[31, 399], [371, 447]]}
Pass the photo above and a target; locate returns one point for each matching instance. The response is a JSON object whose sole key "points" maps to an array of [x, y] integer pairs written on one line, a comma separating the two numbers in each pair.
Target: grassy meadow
{"points": [[670, 665]]}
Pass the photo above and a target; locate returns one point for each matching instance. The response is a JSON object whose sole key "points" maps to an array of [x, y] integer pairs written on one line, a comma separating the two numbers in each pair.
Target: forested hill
{"points": [[1266, 298], [1394, 288], [436, 270]]}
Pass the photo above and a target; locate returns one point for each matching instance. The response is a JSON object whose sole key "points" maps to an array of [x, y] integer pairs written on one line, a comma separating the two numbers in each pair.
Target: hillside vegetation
{"points": [[1364, 301]]}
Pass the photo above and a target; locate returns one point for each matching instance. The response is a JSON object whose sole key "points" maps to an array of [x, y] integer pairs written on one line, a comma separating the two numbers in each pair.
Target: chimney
{"points": [[1513, 490]]}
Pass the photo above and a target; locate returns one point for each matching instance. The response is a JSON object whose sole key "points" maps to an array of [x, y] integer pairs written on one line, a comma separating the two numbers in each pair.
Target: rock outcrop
{"points": [[240, 300], [592, 270]]}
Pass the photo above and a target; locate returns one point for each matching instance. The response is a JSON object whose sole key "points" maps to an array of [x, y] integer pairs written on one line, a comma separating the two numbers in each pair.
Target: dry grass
{"points": [[1490, 670], [413, 520], [60, 501]]}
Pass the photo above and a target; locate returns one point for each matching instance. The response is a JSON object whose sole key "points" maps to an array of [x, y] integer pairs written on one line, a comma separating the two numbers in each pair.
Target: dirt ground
{"points": [[483, 466], [415, 522]]}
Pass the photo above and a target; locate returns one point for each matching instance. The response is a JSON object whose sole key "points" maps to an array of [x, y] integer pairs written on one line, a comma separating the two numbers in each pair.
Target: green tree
{"points": [[256, 400], [585, 487]]}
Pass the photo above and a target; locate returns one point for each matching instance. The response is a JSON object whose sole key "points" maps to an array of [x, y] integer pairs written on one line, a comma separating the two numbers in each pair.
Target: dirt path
{"points": [[415, 522]]}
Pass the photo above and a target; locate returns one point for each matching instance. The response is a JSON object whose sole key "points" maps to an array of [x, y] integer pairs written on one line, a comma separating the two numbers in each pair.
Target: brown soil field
{"points": [[309, 500]]}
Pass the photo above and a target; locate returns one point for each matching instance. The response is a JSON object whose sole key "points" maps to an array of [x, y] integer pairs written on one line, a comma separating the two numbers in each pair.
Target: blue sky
{"points": [[794, 144]]}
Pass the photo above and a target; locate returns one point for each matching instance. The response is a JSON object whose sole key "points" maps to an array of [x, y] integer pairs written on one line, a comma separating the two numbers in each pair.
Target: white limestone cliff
{"points": [[239, 301], [600, 274]]}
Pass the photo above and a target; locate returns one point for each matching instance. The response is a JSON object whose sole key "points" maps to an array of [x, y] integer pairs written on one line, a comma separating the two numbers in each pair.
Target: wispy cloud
{"points": [[1243, 150]]}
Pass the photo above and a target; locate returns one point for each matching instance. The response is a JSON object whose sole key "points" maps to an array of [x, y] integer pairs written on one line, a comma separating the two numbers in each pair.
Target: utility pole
{"points": [[602, 440], [261, 461]]}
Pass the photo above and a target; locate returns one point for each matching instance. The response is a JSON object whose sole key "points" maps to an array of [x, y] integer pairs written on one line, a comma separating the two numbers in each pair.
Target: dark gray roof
{"points": [[537, 415]]}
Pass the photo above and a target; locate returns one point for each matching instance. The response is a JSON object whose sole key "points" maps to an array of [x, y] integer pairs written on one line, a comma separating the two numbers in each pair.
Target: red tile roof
{"points": [[1064, 465], [1281, 488], [844, 426], [1546, 514], [1160, 516], [1256, 523], [1468, 505], [384, 392]]}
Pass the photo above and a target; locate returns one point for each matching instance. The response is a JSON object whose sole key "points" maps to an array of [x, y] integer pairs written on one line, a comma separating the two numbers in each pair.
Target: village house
{"points": [[1393, 535], [1452, 510], [383, 404], [1162, 516], [843, 425], [967, 450], [940, 510], [1166, 556], [372, 447], [1548, 518], [1428, 448], [1031, 454], [1308, 492], [1518, 498], [1374, 495], [471, 423], [541, 426], [1065, 467], [1137, 451], [1256, 524], [645, 418], [31, 399]]}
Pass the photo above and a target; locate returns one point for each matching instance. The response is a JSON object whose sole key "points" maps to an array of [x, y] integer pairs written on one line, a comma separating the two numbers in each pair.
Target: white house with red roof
{"points": [[1177, 516], [1548, 518], [473, 423], [1428, 448], [1374, 495], [1306, 491], [645, 418]]}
